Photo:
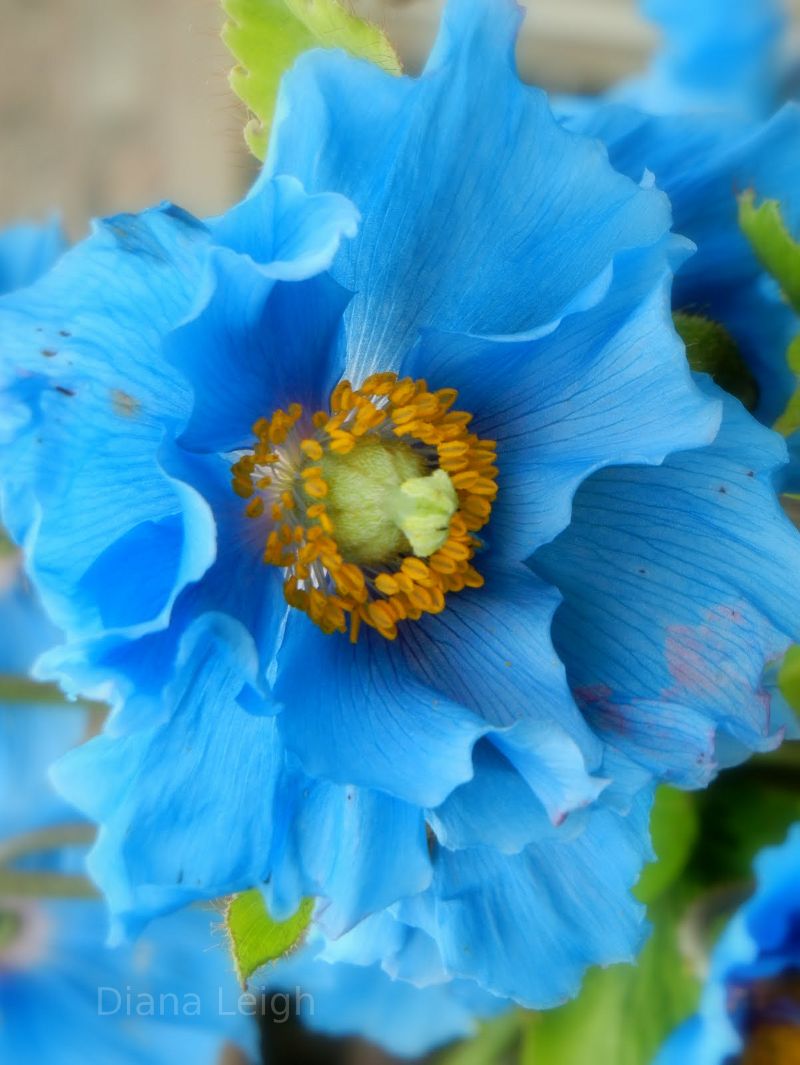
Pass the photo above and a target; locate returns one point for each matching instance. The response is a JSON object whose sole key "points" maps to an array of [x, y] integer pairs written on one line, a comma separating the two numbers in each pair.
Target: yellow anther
{"points": [[316, 488], [313, 449]]}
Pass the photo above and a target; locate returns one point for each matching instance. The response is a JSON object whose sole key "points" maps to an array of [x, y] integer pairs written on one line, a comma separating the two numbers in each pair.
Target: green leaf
{"points": [[789, 677], [255, 938], [623, 1014], [266, 36], [711, 349], [772, 242], [674, 828], [789, 421]]}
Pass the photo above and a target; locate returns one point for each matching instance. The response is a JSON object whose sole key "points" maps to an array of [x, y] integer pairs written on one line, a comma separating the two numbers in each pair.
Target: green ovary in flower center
{"points": [[385, 503]]}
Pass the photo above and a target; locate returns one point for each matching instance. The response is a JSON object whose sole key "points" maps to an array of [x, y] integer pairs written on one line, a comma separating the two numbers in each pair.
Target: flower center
{"points": [[371, 508], [773, 1021]]}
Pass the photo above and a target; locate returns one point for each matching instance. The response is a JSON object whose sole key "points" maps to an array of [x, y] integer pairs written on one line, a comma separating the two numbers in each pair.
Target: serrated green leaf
{"points": [[711, 349], [674, 828], [266, 36], [623, 1014], [255, 938], [772, 242]]}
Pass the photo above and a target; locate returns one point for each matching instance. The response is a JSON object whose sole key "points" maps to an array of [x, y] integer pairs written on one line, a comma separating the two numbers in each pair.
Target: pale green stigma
{"points": [[422, 508], [384, 503]]}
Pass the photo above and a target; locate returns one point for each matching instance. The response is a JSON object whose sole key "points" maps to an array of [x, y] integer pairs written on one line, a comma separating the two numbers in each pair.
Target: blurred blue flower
{"points": [[716, 55], [750, 1010], [64, 996], [703, 162], [436, 763], [28, 250]]}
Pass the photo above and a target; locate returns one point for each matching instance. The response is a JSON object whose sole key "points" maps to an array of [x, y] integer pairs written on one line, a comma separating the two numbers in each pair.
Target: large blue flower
{"points": [[64, 996], [506, 298], [750, 1010]]}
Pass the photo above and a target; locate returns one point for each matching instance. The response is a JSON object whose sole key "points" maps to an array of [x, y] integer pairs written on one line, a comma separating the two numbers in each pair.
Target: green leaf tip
{"points": [[266, 36], [777, 250], [256, 939], [711, 349], [674, 828]]}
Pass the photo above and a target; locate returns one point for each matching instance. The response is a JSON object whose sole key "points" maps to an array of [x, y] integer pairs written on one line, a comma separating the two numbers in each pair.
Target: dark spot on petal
{"points": [[64, 333], [723, 490], [48, 353], [642, 572], [64, 391], [124, 405], [751, 473]]}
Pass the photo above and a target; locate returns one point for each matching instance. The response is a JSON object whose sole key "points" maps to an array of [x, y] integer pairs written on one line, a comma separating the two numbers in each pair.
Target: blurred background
{"points": [[112, 104]]}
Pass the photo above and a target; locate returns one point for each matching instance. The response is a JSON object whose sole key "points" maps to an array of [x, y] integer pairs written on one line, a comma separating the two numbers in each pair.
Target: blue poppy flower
{"points": [[750, 1009], [289, 490], [64, 996]]}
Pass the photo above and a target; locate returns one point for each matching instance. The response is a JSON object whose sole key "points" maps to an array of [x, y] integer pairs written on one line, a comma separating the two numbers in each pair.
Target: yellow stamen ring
{"points": [[284, 482]]}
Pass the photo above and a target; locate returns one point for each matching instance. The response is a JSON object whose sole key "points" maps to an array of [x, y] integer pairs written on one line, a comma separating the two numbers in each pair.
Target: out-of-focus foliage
{"points": [[266, 36], [779, 252]]}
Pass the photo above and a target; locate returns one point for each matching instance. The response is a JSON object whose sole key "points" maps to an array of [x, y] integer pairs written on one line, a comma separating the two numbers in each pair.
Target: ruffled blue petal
{"points": [[557, 908], [185, 807], [290, 235], [358, 851], [460, 167], [256, 346], [81, 355], [678, 589], [610, 385], [343, 999], [354, 715], [497, 807], [27, 251], [491, 652]]}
